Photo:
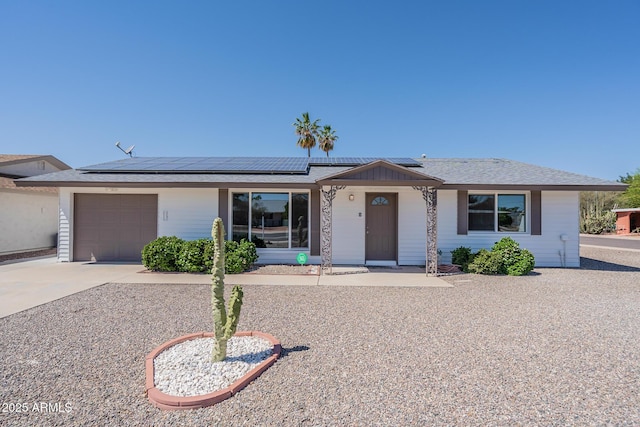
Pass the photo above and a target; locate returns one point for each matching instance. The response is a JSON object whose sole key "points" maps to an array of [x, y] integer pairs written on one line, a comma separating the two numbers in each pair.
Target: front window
{"points": [[300, 220], [270, 219], [497, 212], [511, 213], [240, 216], [481, 212], [277, 220]]}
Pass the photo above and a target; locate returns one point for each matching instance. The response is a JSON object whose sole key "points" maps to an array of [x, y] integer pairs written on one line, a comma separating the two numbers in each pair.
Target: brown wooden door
{"points": [[381, 226]]}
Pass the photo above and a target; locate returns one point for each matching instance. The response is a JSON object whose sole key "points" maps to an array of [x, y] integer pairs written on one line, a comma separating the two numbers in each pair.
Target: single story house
{"points": [[355, 210], [28, 215]]}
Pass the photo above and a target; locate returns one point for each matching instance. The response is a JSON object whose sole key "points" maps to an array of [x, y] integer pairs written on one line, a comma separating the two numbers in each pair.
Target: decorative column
{"points": [[430, 197], [326, 205]]}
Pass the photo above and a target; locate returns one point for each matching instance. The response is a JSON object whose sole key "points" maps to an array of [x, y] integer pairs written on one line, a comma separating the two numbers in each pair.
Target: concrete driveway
{"points": [[31, 283], [28, 284]]}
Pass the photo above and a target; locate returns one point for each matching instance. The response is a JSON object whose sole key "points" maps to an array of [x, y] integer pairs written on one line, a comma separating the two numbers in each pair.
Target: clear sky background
{"points": [[554, 83]]}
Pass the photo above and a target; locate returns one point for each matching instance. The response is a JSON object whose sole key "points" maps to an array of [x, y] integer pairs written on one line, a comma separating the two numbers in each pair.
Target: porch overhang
{"points": [[380, 173]]}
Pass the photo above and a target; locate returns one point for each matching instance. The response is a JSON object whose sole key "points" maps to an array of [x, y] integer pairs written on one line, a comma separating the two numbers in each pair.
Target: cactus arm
{"points": [[233, 312]]}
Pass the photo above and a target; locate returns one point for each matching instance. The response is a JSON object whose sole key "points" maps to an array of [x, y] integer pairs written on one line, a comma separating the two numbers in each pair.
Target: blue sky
{"points": [[554, 83]]}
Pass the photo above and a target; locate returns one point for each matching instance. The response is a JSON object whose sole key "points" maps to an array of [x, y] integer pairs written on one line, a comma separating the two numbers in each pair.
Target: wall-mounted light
{"points": [[351, 197]]}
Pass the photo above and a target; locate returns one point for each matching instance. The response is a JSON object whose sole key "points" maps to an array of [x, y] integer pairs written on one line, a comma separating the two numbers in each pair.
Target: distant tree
{"points": [[631, 197], [600, 200], [307, 132], [327, 137], [595, 206], [595, 211], [626, 179]]}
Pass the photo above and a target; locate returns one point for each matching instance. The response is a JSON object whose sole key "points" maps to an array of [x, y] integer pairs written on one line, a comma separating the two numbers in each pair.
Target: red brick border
{"points": [[165, 401]]}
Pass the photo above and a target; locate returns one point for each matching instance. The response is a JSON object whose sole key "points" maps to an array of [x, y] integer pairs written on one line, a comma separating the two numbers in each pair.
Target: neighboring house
{"points": [[28, 215], [336, 210], [627, 220]]}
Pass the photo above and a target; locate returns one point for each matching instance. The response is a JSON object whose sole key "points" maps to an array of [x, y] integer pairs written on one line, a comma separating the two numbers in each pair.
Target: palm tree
{"points": [[307, 131], [326, 138]]}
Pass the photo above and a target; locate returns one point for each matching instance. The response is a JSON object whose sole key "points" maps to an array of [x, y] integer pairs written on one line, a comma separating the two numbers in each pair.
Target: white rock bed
{"points": [[186, 369]]}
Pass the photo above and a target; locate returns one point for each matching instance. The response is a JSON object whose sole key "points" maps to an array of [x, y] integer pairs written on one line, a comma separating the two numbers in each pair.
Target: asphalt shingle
{"points": [[454, 172]]}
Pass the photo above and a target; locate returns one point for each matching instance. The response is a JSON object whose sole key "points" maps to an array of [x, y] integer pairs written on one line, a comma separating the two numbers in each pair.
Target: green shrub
{"points": [[162, 253], [515, 261], [486, 262], [239, 256], [509, 251], [462, 256], [196, 256], [505, 257], [523, 265]]}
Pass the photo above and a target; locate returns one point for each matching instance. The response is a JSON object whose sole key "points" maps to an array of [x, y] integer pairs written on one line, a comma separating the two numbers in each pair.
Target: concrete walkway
{"points": [[31, 283]]}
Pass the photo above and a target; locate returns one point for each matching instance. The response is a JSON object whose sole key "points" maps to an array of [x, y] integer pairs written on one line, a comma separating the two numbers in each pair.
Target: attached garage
{"points": [[109, 227]]}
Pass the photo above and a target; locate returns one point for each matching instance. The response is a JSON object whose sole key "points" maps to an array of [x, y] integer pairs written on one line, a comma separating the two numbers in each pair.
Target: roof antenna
{"points": [[128, 151]]}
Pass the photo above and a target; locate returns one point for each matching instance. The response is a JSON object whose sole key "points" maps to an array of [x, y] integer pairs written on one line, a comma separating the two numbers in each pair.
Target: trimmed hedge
{"points": [[239, 256], [162, 254], [505, 257], [462, 256], [172, 254], [486, 262], [196, 256]]}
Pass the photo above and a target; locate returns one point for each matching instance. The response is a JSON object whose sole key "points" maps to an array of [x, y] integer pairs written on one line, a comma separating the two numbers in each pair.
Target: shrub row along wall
{"points": [[172, 254], [505, 257]]}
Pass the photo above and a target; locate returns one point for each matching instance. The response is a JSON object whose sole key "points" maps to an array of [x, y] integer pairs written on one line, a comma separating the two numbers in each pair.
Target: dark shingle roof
{"points": [[456, 173], [505, 172]]}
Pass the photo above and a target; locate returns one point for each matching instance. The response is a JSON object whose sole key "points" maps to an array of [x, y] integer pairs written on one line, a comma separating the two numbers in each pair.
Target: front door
{"points": [[381, 227]]}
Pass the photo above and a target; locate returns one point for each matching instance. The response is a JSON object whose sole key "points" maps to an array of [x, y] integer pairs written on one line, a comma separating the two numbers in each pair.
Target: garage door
{"points": [[113, 227]]}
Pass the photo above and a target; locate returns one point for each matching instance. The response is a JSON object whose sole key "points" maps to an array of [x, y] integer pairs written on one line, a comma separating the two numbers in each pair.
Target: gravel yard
{"points": [[558, 347]]}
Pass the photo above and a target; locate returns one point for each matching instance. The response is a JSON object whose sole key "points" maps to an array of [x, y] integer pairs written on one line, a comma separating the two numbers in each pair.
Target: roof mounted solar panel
{"points": [[249, 165], [235, 165], [358, 161]]}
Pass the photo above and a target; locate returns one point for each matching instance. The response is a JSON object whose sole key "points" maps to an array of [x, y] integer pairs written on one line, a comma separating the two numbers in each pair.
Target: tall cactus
{"points": [[224, 324]]}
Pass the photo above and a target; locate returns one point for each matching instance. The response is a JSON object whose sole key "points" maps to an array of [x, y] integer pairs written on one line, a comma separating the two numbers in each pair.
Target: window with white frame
{"points": [[271, 219], [497, 212]]}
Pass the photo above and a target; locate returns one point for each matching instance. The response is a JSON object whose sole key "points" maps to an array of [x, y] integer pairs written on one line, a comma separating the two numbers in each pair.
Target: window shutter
{"points": [[315, 222], [463, 211], [223, 206], [536, 213]]}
